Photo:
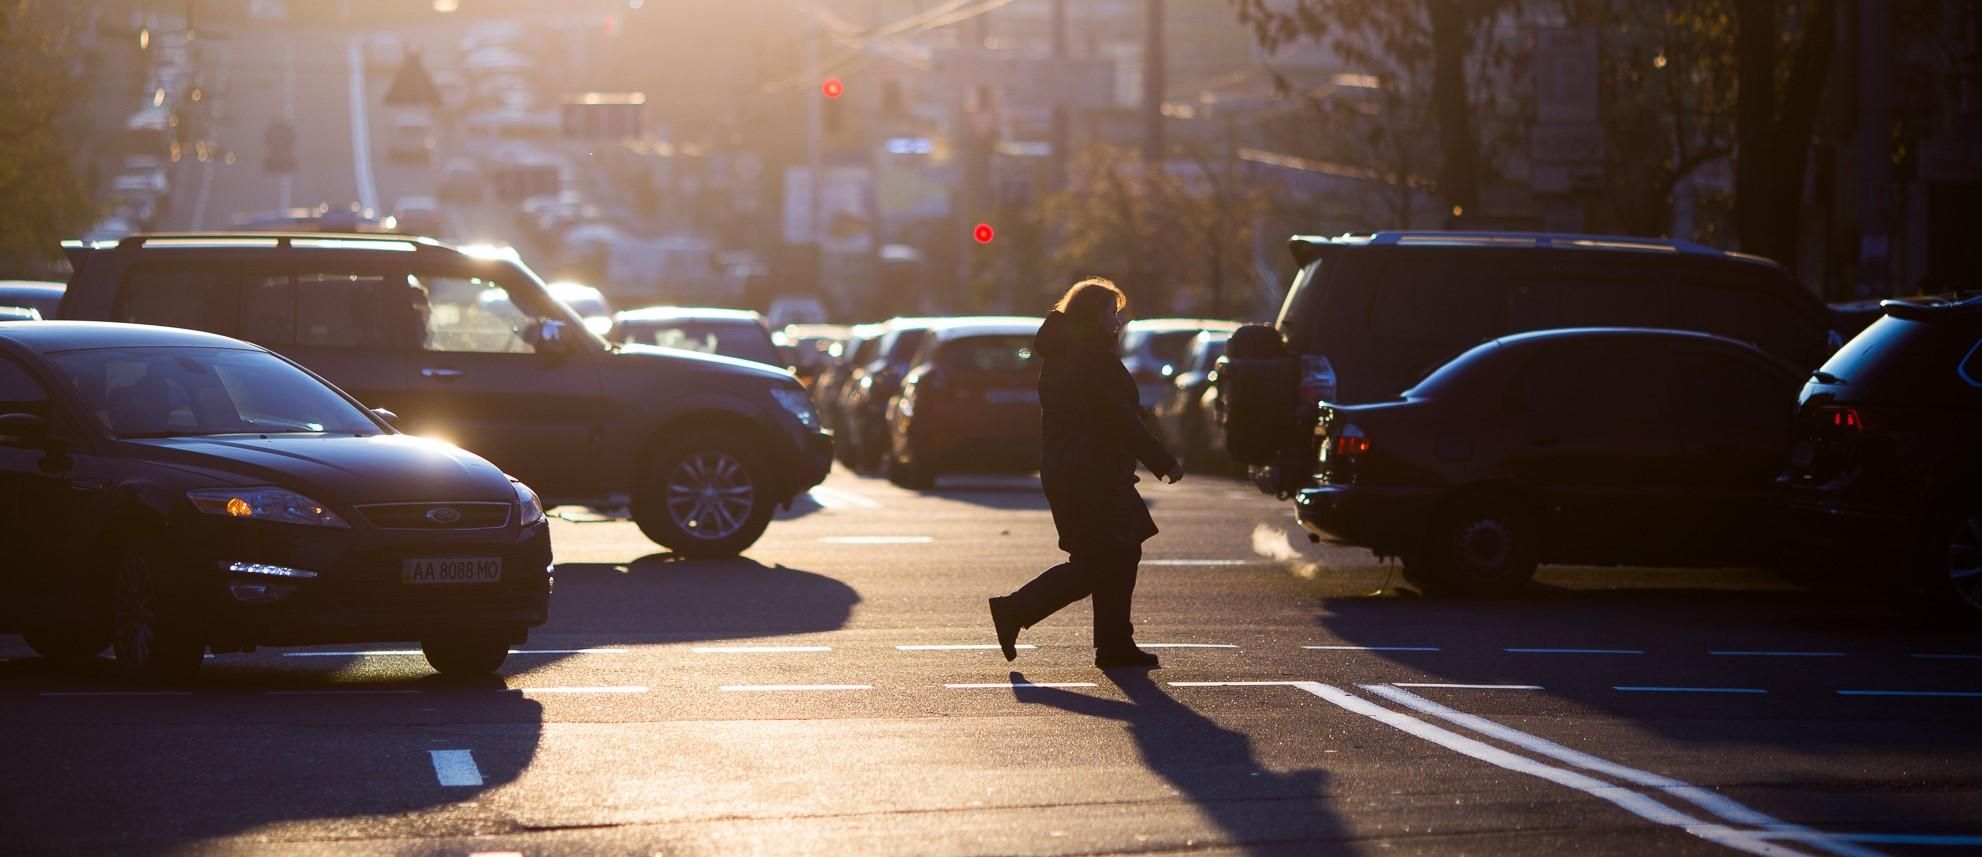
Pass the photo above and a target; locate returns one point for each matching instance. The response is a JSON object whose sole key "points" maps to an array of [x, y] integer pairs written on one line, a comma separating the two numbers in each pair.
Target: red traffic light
{"points": [[983, 233], [833, 88]]}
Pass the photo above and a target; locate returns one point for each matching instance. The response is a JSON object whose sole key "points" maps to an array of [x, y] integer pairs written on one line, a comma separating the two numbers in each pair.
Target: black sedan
{"points": [[1591, 446], [1887, 465], [169, 492]]}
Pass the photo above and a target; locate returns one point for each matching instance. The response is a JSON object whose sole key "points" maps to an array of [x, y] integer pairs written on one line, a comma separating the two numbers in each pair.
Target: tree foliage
{"points": [[41, 201], [1178, 240]]}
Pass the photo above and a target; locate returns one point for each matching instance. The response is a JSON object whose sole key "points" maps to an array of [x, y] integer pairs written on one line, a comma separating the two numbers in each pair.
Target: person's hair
{"points": [[1085, 299]]}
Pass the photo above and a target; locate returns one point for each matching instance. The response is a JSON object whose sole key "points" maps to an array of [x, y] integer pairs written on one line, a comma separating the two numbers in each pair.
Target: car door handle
{"points": [[443, 374]]}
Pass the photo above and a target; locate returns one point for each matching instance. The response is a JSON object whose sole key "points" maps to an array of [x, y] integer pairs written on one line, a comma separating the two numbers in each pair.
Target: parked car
{"points": [[1367, 314], [1888, 454], [808, 348], [1154, 350], [863, 406], [44, 297], [701, 448], [172, 491], [1181, 417], [1618, 446], [738, 333], [862, 343], [971, 402]]}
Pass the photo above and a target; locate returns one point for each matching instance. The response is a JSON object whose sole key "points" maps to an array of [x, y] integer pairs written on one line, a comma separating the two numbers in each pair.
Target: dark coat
{"points": [[1093, 435]]}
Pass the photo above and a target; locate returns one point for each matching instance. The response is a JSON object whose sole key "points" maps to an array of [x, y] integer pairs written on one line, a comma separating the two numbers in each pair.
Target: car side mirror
{"points": [[25, 431], [390, 418]]}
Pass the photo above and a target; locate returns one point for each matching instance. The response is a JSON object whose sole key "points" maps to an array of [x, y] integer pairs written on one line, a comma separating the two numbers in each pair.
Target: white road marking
{"points": [[1235, 683], [361, 133], [756, 650], [1777, 654], [119, 693], [1196, 562], [1715, 804], [1627, 688], [611, 689], [455, 767], [373, 653], [1947, 657], [834, 498], [1951, 694], [1372, 648], [795, 687], [1013, 684], [877, 540], [1447, 686], [1530, 651], [960, 647], [1187, 645]]}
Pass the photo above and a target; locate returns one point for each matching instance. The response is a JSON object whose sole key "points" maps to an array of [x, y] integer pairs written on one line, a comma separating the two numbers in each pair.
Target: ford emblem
{"points": [[443, 515]]}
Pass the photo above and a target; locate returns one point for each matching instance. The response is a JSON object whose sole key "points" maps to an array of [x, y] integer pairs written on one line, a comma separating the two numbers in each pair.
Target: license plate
{"points": [[451, 570], [1803, 453]]}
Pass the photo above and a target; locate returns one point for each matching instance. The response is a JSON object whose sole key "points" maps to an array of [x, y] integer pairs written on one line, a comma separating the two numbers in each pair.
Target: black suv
{"points": [[472, 348], [1369, 314], [1888, 456]]}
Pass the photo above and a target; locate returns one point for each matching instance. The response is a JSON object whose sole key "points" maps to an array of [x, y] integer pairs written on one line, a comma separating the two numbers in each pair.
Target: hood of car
{"points": [[700, 361], [338, 470]]}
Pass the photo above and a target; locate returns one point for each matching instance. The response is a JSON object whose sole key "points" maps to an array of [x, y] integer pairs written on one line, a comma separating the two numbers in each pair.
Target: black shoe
{"points": [[1006, 625], [1124, 657]]}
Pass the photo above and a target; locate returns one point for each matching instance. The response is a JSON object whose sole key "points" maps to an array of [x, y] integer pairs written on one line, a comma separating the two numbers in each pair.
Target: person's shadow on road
{"points": [[1257, 809]]}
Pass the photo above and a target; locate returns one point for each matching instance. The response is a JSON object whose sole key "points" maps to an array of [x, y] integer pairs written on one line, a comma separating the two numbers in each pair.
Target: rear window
{"points": [[196, 297], [905, 343], [1903, 357], [988, 354]]}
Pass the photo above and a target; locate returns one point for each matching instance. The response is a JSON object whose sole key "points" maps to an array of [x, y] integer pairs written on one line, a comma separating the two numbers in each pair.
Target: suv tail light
{"points": [[1349, 442], [1838, 418]]}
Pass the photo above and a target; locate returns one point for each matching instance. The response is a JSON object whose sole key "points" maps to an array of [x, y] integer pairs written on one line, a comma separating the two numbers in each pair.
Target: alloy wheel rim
{"points": [[710, 495], [135, 619], [1965, 559]]}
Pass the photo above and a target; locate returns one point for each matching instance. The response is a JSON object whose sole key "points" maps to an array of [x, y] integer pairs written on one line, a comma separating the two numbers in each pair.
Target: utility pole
{"points": [[1153, 63], [1061, 131]]}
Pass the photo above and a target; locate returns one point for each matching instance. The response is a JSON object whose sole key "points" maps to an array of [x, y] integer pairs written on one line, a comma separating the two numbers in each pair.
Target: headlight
{"points": [[265, 504], [531, 508], [798, 404]]}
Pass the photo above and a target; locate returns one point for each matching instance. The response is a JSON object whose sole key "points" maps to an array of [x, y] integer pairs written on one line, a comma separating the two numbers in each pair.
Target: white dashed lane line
{"points": [[353, 692], [1012, 684], [1187, 645], [1777, 654], [877, 540], [1448, 686], [1539, 651], [1187, 563], [118, 693], [383, 653], [834, 498], [455, 767], [960, 647], [611, 689]]}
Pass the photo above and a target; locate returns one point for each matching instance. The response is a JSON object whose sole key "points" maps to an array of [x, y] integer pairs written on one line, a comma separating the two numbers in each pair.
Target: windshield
{"points": [[171, 392], [741, 340]]}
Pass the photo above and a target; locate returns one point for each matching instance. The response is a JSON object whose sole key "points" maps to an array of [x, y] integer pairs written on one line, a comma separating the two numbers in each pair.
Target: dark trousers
{"points": [[1108, 577]]}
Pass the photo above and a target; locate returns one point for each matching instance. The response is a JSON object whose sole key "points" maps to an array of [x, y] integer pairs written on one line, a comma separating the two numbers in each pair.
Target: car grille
{"points": [[435, 516]]}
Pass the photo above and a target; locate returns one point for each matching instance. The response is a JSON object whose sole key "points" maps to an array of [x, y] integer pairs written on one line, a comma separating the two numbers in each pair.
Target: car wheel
{"points": [[466, 655], [1476, 547], [706, 496], [1948, 569], [65, 643], [151, 631], [909, 473]]}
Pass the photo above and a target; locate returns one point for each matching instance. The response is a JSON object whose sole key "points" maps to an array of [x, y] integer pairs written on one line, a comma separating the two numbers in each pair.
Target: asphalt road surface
{"points": [[838, 691]]}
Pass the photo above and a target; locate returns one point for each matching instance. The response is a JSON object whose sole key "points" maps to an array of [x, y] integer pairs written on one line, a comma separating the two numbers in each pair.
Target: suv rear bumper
{"points": [[1384, 520]]}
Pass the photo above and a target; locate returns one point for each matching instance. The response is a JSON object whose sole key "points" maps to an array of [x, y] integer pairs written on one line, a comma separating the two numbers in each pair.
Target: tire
{"points": [[1946, 573], [908, 473], [152, 629], [66, 643], [1475, 547], [466, 655], [706, 495]]}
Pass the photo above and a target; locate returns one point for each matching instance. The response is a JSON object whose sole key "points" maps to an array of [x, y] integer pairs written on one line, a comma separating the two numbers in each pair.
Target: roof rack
{"points": [[1540, 240], [281, 240]]}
